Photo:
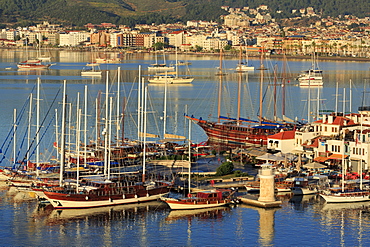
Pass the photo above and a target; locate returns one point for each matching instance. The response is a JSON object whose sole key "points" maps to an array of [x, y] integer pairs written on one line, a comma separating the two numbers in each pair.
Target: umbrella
{"points": [[314, 165], [268, 156]]}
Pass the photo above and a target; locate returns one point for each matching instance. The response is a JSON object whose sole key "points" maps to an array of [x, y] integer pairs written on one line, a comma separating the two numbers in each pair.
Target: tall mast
{"points": [[336, 99], [350, 97], [14, 135], [189, 151], [77, 112], [62, 134], [38, 128], [106, 127], [123, 120], [262, 68], [275, 84], [85, 128], [283, 88], [56, 133], [318, 104], [144, 140], [139, 110], [110, 134], [309, 102], [219, 89], [361, 152], [239, 95], [98, 103], [165, 109], [118, 107], [142, 91], [78, 146], [29, 128], [344, 101]]}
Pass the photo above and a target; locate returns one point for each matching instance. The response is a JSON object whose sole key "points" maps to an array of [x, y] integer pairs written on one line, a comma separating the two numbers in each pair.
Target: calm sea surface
{"points": [[300, 221]]}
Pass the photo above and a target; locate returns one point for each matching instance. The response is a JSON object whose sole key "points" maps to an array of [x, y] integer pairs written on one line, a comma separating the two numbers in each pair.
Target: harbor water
{"points": [[301, 221]]}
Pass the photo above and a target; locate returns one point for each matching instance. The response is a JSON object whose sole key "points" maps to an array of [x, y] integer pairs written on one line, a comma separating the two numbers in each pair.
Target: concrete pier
{"points": [[267, 189]]}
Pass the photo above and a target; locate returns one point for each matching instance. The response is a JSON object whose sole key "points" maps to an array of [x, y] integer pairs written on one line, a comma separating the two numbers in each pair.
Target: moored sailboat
{"points": [[171, 79], [311, 77], [91, 69], [203, 199], [32, 64], [243, 66], [345, 193]]}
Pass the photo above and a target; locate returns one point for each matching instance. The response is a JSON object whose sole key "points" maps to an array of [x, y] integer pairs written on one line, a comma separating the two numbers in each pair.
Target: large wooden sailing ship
{"points": [[241, 132]]}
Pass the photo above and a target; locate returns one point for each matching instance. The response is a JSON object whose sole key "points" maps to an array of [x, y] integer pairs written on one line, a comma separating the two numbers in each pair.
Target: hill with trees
{"points": [[130, 12]]}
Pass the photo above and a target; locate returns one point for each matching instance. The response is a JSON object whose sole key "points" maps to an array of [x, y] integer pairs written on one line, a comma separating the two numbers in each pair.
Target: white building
{"points": [[73, 38], [282, 141]]}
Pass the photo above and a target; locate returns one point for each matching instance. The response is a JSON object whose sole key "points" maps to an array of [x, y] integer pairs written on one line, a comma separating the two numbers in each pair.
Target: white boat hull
{"points": [[311, 82], [244, 68], [91, 73], [161, 69], [164, 80], [343, 198]]}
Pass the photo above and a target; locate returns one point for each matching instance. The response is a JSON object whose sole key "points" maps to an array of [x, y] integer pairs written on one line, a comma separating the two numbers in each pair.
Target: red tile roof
{"points": [[283, 135]]}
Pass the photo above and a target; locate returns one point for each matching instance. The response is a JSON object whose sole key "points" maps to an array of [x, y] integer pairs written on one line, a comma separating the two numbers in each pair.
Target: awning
{"points": [[321, 159], [268, 156], [314, 165], [337, 157]]}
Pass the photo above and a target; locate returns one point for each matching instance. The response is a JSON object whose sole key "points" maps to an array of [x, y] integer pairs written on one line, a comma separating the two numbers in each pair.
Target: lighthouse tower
{"points": [[267, 183]]}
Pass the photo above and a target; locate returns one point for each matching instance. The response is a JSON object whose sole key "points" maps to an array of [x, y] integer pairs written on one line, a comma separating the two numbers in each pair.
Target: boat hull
{"points": [[195, 204], [164, 80], [244, 68], [74, 201], [230, 135], [91, 73], [303, 191], [311, 82], [346, 197]]}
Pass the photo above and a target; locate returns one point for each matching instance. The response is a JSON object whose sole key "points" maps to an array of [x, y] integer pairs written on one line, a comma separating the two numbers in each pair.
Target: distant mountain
{"points": [[129, 12]]}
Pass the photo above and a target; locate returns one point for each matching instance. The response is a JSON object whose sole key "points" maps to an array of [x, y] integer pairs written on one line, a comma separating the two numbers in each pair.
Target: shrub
{"points": [[225, 168]]}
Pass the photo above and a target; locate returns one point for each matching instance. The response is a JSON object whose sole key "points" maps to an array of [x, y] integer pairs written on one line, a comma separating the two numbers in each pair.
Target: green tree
{"points": [[227, 47], [158, 46], [198, 48], [225, 168]]}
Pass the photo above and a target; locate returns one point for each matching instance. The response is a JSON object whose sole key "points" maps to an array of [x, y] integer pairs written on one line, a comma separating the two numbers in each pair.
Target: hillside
{"points": [[80, 12]]}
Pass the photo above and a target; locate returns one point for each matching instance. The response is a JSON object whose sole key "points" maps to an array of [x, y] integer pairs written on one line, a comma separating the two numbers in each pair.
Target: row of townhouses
{"points": [[334, 138]]}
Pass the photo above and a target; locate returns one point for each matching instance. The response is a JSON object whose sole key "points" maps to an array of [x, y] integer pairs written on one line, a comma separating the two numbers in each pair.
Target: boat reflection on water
{"points": [[301, 202], [345, 215], [122, 212], [346, 206], [200, 214]]}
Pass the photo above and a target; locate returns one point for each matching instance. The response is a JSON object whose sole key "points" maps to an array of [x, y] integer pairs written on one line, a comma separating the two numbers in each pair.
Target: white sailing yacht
{"points": [[243, 66], [311, 77], [343, 194], [171, 79]]}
